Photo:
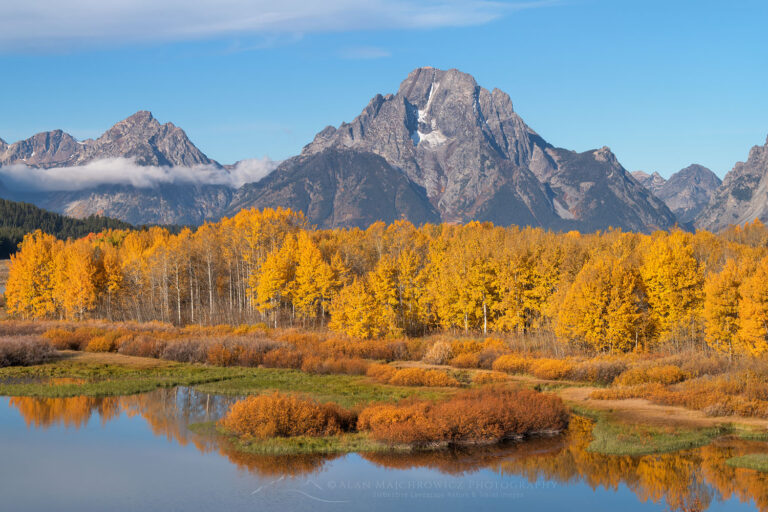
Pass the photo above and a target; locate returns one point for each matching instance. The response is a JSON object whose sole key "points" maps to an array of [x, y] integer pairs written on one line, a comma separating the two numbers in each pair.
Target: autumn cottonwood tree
{"points": [[273, 285], [604, 306], [752, 335], [674, 286], [721, 307], [611, 291], [30, 288]]}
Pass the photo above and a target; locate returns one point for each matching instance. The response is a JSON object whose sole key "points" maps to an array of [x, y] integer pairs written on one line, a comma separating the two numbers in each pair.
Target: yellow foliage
{"points": [[511, 363], [721, 307], [665, 374], [673, 281], [752, 336], [550, 368]]}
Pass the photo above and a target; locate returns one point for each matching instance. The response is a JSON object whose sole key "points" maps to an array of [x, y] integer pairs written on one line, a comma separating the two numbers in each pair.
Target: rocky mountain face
{"points": [[476, 159], [339, 187], [686, 193], [168, 203], [440, 149], [652, 182], [743, 195], [140, 137]]}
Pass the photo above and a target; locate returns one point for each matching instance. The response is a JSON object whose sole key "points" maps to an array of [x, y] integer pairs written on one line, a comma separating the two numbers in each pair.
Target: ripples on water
{"points": [[552, 473]]}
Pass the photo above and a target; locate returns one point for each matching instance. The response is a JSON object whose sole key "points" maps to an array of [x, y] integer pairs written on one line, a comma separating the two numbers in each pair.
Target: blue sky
{"points": [[663, 83]]}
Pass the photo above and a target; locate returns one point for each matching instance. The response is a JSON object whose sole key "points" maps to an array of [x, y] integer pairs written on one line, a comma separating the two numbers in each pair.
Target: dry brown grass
{"points": [[24, 351], [330, 365], [743, 393]]}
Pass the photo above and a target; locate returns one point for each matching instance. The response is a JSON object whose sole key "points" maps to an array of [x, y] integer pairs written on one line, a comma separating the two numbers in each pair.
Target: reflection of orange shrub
{"points": [[550, 368], [489, 378], [282, 358], [280, 415], [482, 415], [667, 374], [343, 365], [511, 363], [421, 377]]}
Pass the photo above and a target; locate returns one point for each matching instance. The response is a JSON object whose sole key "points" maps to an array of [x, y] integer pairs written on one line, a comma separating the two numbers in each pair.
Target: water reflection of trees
{"points": [[168, 413], [690, 480]]}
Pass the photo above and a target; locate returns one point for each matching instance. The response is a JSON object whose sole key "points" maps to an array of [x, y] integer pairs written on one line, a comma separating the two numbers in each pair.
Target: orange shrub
{"points": [[422, 377], [550, 368], [104, 343], [380, 372], [511, 363], [64, 339], [368, 349], [482, 415], [481, 378], [143, 346], [281, 415], [666, 374], [495, 344], [220, 354], [282, 358], [308, 341], [649, 391], [466, 360], [243, 329], [466, 347]]}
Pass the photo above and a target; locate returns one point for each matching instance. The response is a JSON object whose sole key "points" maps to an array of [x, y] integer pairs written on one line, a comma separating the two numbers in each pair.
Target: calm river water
{"points": [[136, 453]]}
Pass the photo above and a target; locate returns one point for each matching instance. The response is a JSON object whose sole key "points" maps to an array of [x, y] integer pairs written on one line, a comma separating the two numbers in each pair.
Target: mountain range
{"points": [[686, 193], [440, 149]]}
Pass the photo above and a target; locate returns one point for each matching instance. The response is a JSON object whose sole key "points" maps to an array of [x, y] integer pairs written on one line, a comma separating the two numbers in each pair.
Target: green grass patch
{"points": [[610, 437], [104, 379], [100, 379], [749, 434], [756, 461], [357, 442], [345, 390]]}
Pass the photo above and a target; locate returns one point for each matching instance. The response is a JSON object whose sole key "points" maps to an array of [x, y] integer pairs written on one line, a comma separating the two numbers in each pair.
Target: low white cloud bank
{"points": [[123, 171], [51, 24]]}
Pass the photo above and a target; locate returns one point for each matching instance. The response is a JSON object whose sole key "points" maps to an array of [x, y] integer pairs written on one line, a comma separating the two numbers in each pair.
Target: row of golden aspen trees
{"points": [[606, 291]]}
